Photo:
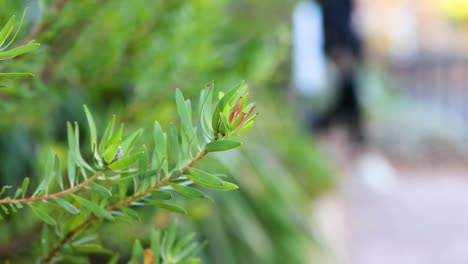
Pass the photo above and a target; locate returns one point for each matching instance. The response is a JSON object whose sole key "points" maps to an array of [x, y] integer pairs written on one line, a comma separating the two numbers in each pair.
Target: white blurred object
{"points": [[309, 62], [376, 173]]}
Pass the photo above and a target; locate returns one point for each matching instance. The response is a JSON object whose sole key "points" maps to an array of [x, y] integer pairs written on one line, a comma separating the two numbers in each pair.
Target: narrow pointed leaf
{"points": [[205, 179], [114, 143], [185, 118], [137, 252], [98, 211], [107, 136], [160, 149], [6, 30], [222, 145], [173, 144], [129, 142], [92, 129], [15, 75], [18, 51], [155, 239], [101, 190], [125, 162], [41, 214], [78, 158], [58, 172], [187, 191], [71, 168], [24, 186], [163, 195], [66, 205]]}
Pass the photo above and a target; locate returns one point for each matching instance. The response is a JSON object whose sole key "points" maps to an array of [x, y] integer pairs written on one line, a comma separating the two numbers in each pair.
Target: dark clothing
{"points": [[338, 29], [343, 47]]}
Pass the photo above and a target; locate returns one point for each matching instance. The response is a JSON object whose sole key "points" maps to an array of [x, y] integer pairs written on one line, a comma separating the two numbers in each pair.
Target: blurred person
{"points": [[325, 28], [343, 48]]}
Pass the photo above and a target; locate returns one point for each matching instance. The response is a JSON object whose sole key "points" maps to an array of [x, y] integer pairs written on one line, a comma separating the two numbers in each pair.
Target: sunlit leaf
{"points": [[11, 53], [222, 145], [125, 162], [205, 179]]}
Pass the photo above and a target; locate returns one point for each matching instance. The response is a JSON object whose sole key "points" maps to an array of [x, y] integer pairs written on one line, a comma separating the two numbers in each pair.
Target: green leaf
{"points": [[78, 158], [71, 155], [4, 189], [170, 237], [92, 130], [125, 162], [222, 145], [16, 33], [58, 172], [98, 211], [205, 179], [170, 207], [155, 238], [39, 212], [18, 51], [187, 191], [232, 93], [114, 259], [122, 180], [137, 252], [131, 213], [114, 143], [17, 193], [5, 209], [163, 195], [175, 174], [45, 241], [44, 185], [101, 190], [173, 144], [107, 135], [91, 248], [160, 149], [66, 205], [206, 101], [228, 186], [129, 142], [183, 243], [184, 114], [15, 75], [24, 186], [6, 30], [190, 261]]}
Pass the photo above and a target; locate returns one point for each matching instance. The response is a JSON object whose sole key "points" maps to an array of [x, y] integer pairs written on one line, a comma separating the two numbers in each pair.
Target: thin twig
{"points": [[52, 195], [116, 206]]}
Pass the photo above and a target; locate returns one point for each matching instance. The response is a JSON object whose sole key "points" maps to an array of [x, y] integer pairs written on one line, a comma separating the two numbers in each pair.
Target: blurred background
{"points": [[358, 155]]}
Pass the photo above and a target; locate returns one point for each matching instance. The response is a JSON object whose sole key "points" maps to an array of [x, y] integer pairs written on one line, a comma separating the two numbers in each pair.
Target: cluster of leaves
{"points": [[121, 176], [6, 39]]}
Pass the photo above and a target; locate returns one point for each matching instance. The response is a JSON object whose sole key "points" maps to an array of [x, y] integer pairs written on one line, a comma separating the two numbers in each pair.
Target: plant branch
{"points": [[52, 195], [118, 205]]}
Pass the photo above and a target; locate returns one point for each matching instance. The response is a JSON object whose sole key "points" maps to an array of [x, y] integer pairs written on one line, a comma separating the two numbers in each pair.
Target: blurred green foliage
{"points": [[127, 57]]}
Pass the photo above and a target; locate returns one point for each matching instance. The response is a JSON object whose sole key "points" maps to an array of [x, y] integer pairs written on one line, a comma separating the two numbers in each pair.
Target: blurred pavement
{"points": [[385, 213]]}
